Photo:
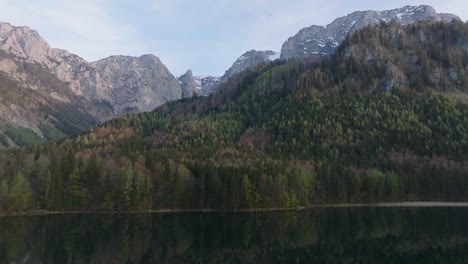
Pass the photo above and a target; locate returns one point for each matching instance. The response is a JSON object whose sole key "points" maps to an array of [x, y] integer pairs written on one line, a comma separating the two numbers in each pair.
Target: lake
{"points": [[321, 235]]}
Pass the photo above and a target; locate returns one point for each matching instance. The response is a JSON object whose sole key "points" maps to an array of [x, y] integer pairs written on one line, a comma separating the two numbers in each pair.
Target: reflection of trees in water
{"points": [[354, 234]]}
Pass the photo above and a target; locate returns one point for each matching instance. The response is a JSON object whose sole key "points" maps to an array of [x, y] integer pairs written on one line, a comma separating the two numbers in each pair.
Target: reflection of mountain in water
{"points": [[322, 235]]}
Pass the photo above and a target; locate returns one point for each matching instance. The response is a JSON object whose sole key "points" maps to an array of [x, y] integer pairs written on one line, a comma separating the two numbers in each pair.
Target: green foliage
{"points": [[4, 196], [249, 194], [19, 193], [75, 191], [52, 133], [23, 136]]}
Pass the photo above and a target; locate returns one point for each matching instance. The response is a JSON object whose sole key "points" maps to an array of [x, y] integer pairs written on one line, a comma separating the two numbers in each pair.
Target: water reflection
{"points": [[345, 235]]}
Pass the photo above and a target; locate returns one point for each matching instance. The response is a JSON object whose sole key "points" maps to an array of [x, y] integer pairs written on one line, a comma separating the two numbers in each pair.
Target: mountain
{"points": [[100, 90], [189, 84], [319, 41], [205, 84], [135, 85], [248, 59], [201, 85], [382, 119]]}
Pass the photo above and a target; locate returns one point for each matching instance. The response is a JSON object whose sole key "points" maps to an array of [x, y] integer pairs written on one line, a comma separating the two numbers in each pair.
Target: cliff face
{"points": [[136, 84]]}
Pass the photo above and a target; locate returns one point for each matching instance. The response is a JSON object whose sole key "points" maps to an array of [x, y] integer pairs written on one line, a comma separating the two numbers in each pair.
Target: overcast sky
{"points": [[206, 36]]}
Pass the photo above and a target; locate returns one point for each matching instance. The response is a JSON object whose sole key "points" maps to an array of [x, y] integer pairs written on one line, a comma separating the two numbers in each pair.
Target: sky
{"points": [[206, 36]]}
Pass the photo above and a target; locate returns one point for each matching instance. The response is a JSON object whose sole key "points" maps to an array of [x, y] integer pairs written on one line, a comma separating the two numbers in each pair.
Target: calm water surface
{"points": [[333, 235]]}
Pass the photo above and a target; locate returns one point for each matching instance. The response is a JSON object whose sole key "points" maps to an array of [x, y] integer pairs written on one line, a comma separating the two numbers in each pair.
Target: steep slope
{"points": [[137, 84], [282, 134], [100, 90], [38, 107], [320, 41]]}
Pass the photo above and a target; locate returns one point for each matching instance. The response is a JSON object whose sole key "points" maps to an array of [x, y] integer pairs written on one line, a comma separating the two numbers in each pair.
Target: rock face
{"points": [[136, 84], [63, 94], [128, 84], [36, 106], [189, 84], [320, 41], [248, 59]]}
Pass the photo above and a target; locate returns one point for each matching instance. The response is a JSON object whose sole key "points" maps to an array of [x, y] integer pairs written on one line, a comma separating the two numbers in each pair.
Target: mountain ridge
{"points": [[103, 89], [323, 40], [119, 85]]}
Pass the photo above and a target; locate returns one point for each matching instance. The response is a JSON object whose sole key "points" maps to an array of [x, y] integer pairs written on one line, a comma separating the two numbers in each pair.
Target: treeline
{"points": [[98, 186]]}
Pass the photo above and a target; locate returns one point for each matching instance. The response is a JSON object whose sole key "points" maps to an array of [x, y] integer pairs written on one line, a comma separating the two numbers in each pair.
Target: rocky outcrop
{"points": [[317, 41], [189, 84]]}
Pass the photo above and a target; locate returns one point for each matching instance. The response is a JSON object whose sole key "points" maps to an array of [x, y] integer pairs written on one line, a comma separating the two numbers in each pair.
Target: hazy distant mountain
{"points": [[200, 85], [320, 41], [205, 84]]}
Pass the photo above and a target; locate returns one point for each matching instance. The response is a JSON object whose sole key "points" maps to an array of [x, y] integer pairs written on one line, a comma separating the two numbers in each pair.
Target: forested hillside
{"points": [[383, 119]]}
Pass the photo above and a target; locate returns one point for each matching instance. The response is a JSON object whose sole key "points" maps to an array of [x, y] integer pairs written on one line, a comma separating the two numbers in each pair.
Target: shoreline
{"points": [[299, 208]]}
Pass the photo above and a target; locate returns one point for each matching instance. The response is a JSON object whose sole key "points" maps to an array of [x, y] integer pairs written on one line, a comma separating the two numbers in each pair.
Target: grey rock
{"points": [[318, 41], [201, 85], [128, 84], [249, 59], [137, 84], [45, 89], [188, 84], [207, 84]]}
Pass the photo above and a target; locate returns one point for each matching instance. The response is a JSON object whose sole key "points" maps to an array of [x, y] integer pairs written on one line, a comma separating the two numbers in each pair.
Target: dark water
{"points": [[344, 235]]}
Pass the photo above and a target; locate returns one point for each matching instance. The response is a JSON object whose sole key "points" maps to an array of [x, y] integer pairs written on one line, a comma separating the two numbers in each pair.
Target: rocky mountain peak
{"points": [[189, 84], [249, 59], [24, 42], [201, 84], [136, 84], [187, 75], [319, 41]]}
